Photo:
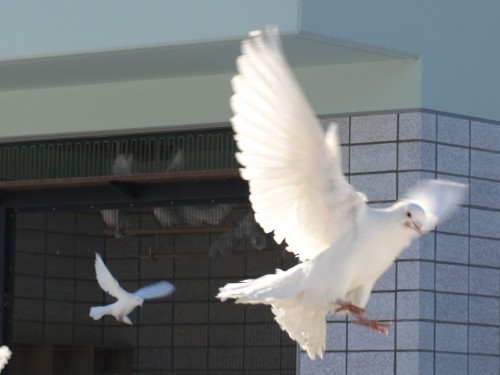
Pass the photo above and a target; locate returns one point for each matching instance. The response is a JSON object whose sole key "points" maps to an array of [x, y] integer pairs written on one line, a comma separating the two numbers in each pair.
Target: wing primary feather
{"points": [[106, 280], [157, 290], [294, 169]]}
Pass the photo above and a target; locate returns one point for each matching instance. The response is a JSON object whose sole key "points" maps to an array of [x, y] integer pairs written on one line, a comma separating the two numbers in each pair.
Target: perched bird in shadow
{"points": [[247, 228], [126, 302], [169, 216], [122, 165], [211, 215], [178, 162], [112, 217], [297, 190]]}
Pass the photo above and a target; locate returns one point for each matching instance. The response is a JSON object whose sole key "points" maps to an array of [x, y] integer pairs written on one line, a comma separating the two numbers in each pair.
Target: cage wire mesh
{"points": [[199, 248], [155, 153], [189, 332]]}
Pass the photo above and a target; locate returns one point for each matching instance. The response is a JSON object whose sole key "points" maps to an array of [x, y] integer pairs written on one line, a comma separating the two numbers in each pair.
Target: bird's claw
{"points": [[359, 314], [374, 325], [349, 307]]}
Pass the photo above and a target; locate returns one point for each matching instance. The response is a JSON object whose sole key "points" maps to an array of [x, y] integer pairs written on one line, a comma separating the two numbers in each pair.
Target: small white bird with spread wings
{"points": [[297, 190], [126, 302]]}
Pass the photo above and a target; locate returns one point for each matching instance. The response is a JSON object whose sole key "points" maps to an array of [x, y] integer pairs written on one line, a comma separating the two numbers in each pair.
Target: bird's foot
{"points": [[361, 320], [349, 307], [374, 325]]}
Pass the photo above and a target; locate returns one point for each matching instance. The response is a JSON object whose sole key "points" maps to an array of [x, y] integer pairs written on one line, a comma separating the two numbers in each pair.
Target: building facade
{"points": [[414, 89]]}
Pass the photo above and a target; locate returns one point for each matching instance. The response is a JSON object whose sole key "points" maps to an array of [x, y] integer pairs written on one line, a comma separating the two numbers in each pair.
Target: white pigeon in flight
{"points": [[126, 302], [297, 190]]}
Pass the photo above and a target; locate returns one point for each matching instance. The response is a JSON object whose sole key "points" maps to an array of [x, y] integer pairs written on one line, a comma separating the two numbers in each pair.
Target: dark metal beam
{"points": [[127, 189], [144, 195]]}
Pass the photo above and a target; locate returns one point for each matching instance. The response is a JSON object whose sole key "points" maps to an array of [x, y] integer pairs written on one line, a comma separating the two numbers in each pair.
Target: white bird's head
{"points": [[413, 216], [139, 300]]}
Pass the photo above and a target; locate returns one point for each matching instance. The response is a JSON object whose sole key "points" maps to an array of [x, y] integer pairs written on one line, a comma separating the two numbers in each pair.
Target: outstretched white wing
{"points": [[161, 289], [294, 169], [106, 280], [438, 198]]}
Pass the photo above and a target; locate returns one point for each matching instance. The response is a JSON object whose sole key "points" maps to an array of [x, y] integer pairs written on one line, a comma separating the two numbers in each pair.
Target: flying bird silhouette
{"points": [[126, 302], [297, 190]]}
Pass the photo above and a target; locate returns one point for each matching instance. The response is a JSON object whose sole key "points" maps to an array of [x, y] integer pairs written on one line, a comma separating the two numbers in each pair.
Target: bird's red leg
{"points": [[361, 320], [349, 307], [374, 324]]}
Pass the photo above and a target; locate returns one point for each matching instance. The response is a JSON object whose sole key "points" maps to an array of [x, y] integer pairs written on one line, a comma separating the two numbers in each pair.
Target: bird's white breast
{"points": [[355, 260], [380, 239], [125, 306]]}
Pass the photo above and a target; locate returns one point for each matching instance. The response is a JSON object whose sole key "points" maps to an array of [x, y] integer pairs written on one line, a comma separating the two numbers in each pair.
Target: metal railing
{"points": [[152, 153]]}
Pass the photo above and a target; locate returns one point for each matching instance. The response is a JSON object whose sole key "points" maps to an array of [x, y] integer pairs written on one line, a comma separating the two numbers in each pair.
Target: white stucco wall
{"points": [[31, 28], [456, 39], [457, 71], [191, 101]]}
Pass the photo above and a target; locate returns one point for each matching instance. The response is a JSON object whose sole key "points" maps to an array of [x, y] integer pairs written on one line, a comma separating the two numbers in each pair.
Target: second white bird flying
{"points": [[126, 302]]}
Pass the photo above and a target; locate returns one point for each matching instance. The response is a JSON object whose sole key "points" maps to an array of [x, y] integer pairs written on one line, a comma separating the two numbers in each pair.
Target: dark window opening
{"points": [[156, 207]]}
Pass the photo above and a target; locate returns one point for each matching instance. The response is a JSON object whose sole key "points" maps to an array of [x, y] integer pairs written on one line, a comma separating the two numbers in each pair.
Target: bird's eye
{"points": [[408, 214]]}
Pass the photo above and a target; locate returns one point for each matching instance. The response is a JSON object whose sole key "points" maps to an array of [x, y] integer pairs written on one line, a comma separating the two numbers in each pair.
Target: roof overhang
{"points": [[176, 60]]}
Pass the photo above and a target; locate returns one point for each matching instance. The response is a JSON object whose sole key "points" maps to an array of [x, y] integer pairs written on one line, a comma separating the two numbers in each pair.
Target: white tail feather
{"points": [[304, 324], [282, 290], [265, 289]]}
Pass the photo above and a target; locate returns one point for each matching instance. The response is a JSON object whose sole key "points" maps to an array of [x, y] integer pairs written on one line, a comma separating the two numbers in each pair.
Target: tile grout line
{"points": [[435, 249], [468, 247], [396, 261]]}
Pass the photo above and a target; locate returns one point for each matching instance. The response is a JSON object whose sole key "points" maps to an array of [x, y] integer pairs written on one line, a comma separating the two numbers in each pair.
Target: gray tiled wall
{"points": [[444, 291], [189, 332]]}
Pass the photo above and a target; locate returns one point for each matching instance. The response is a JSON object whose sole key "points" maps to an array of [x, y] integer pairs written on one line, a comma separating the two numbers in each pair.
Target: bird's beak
{"points": [[413, 225], [417, 227]]}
